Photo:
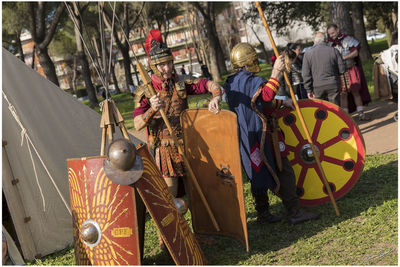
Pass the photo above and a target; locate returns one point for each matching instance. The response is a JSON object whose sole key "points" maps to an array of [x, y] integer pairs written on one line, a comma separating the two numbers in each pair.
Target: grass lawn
{"points": [[364, 234]]}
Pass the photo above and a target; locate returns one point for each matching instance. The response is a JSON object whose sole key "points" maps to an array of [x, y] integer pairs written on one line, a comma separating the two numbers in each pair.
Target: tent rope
{"points": [[25, 136]]}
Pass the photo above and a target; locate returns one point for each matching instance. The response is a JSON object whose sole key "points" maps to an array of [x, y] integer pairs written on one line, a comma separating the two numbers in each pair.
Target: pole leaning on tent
{"points": [[317, 160], [147, 81]]}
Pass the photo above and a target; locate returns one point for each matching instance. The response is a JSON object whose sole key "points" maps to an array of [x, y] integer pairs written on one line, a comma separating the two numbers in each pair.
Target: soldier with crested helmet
{"points": [[172, 97], [263, 156]]}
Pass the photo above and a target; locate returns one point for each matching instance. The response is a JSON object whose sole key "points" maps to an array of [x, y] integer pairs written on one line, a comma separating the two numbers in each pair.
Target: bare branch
{"points": [[53, 25]]}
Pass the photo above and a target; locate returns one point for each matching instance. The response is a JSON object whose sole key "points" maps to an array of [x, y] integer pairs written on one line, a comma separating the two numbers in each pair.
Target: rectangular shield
{"points": [[212, 148], [105, 216]]}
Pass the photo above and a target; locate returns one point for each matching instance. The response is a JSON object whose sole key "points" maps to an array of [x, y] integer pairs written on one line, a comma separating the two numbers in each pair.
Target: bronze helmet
{"points": [[158, 52], [243, 55]]}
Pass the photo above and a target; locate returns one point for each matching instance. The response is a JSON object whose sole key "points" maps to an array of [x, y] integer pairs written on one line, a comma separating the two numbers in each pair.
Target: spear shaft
{"points": [[301, 118]]}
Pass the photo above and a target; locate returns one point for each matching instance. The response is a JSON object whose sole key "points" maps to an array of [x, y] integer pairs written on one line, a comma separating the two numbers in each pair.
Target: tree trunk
{"points": [[19, 46], [33, 65], [41, 38], [115, 78], [127, 65], [74, 75], [339, 13], [394, 33], [214, 66], [359, 30], [217, 59], [82, 59], [47, 65], [214, 42]]}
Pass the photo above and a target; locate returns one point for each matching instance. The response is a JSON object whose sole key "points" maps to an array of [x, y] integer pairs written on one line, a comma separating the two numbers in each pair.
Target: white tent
{"points": [[42, 127]]}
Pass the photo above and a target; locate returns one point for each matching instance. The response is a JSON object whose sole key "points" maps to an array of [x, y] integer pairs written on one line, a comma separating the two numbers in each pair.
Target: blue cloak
{"points": [[240, 88]]}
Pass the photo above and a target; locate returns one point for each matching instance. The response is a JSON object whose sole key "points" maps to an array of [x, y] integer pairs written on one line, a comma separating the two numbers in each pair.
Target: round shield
{"points": [[337, 141]]}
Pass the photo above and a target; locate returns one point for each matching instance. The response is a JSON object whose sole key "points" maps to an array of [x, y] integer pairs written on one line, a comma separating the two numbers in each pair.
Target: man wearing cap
{"points": [[172, 97]]}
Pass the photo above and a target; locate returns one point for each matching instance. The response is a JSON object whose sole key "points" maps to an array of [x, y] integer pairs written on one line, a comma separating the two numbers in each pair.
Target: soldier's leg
{"points": [[359, 104], [261, 205], [334, 95], [289, 195], [344, 104]]}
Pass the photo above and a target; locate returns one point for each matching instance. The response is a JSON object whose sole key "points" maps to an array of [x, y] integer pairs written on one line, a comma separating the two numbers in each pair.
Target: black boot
{"points": [[300, 216], [262, 207]]}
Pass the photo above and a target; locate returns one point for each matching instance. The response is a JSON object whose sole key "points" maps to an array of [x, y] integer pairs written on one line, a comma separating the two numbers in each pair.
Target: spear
{"points": [[147, 81], [303, 124]]}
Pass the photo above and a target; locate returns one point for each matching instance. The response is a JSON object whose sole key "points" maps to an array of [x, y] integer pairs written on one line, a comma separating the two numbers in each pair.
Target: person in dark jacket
{"points": [[296, 80], [322, 67]]}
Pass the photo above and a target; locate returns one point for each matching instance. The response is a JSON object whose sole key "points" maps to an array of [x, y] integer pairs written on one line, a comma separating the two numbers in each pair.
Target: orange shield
{"points": [[212, 148]]}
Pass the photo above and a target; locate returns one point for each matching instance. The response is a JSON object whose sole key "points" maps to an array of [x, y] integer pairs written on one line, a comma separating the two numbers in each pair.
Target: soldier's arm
{"points": [[145, 111], [352, 54], [341, 62], [202, 86], [215, 90]]}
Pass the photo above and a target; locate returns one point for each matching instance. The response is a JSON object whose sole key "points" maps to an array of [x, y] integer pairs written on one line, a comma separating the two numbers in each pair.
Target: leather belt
{"points": [[167, 142]]}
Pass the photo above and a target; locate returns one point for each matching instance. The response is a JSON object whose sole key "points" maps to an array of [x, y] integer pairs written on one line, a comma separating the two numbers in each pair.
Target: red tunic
{"points": [[356, 73]]}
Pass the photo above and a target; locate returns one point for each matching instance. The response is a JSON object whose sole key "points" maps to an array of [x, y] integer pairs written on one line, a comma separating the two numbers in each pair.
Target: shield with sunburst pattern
{"points": [[104, 215]]}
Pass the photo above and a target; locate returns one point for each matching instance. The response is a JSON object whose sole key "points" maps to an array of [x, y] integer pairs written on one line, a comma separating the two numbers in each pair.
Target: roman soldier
{"points": [[263, 155], [172, 97], [353, 80]]}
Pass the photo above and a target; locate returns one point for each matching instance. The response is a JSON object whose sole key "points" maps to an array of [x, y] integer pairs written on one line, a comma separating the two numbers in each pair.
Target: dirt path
{"points": [[380, 134]]}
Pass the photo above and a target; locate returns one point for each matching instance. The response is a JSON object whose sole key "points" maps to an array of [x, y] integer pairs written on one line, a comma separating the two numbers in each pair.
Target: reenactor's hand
{"points": [[156, 102], [213, 106], [279, 66]]}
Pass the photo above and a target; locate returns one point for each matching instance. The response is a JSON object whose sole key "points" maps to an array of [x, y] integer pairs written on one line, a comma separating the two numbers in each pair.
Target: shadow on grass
{"points": [[377, 185]]}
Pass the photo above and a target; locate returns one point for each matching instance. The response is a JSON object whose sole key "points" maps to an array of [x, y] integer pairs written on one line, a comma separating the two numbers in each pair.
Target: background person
{"points": [[322, 66], [355, 95], [293, 51]]}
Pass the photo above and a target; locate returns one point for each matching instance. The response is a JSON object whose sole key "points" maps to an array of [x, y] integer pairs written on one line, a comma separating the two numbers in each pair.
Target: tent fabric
{"points": [[43, 127], [14, 257]]}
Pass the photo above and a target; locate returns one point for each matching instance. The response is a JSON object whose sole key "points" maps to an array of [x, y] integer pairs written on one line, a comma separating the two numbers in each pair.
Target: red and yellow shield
{"points": [[105, 212], [337, 140]]}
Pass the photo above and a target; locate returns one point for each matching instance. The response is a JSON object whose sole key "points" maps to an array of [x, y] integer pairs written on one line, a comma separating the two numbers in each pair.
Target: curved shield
{"points": [[212, 148], [174, 229], [105, 223], [337, 140]]}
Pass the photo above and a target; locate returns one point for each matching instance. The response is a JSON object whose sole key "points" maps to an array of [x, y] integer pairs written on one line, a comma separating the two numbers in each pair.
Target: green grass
{"points": [[364, 234]]}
